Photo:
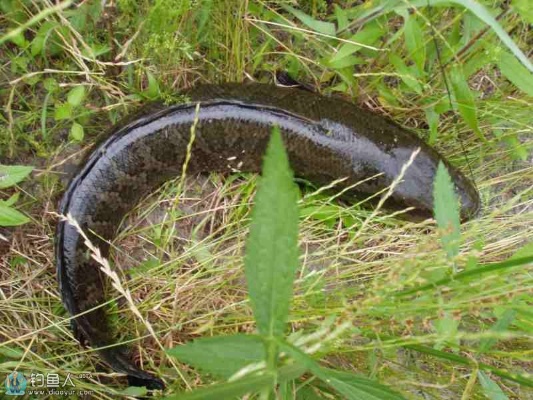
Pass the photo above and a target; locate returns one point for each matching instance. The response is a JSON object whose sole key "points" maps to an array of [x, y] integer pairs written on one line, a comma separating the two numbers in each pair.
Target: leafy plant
{"points": [[10, 175], [259, 362]]}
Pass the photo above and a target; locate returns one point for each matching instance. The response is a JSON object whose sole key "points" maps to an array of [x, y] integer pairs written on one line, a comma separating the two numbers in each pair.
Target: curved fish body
{"points": [[326, 139]]}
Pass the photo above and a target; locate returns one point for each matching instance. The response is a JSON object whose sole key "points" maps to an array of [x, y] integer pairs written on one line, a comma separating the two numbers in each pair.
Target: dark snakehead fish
{"points": [[326, 139]]}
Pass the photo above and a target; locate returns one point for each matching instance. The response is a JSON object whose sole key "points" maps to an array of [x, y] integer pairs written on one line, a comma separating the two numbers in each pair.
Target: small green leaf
{"points": [[12, 200], [345, 62], [152, 91], [63, 111], [501, 325], [76, 132], [50, 84], [11, 352], [76, 95], [12, 174], [446, 209], [221, 356], [342, 17], [134, 391], [513, 70], [414, 39], [405, 73], [491, 388], [326, 28], [465, 100], [272, 248], [11, 217], [368, 35]]}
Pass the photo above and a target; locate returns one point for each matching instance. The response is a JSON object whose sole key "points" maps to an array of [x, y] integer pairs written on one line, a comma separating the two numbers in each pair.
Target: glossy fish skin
{"points": [[326, 139]]}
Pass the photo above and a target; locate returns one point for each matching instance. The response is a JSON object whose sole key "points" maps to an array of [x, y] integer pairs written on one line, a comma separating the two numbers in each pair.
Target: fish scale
{"points": [[326, 139]]}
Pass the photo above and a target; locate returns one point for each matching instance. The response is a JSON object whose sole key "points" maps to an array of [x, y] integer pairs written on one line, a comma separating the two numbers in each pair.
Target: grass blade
{"points": [[351, 386], [272, 248], [485, 269], [467, 361]]}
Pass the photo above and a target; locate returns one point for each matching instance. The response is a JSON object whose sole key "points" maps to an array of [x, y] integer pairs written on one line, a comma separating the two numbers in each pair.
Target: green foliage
{"points": [[272, 252], [516, 72], [221, 356], [415, 42], [10, 175], [270, 261], [490, 388], [446, 208], [465, 100], [71, 73]]}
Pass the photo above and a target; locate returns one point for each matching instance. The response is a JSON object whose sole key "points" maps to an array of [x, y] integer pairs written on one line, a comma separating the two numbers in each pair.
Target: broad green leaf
{"points": [[248, 384], [351, 386], [11, 217], [76, 95], [221, 356], [76, 132], [272, 248], [516, 72], [152, 91], [12, 174], [405, 73], [414, 39], [501, 325], [63, 111], [11, 352], [344, 62], [490, 388], [357, 387], [326, 28], [465, 100], [368, 35], [446, 209]]}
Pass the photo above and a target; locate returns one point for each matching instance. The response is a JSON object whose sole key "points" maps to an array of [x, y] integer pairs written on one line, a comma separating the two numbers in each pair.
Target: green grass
{"points": [[185, 243]]}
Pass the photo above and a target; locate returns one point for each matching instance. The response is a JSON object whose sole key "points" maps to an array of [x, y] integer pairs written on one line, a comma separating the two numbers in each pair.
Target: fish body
{"points": [[326, 139]]}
